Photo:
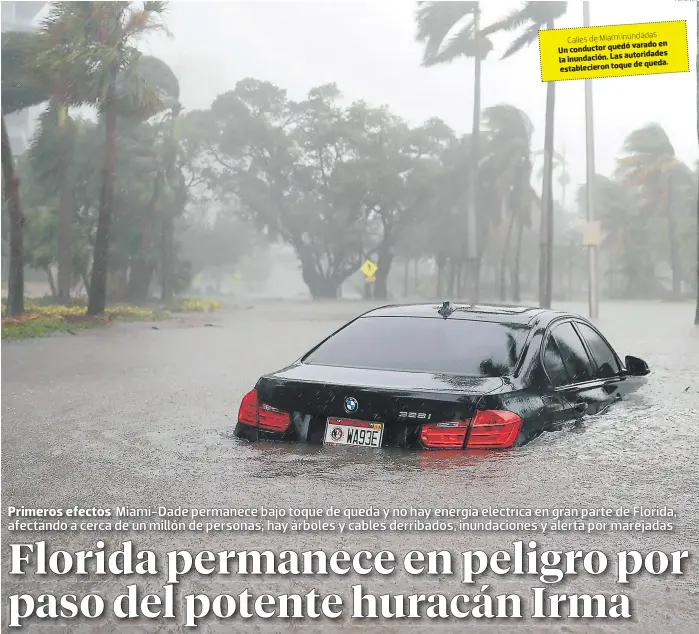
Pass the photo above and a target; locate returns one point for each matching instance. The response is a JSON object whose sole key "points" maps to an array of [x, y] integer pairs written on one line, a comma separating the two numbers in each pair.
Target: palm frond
{"points": [[463, 44], [21, 88], [515, 20], [436, 20], [529, 36]]}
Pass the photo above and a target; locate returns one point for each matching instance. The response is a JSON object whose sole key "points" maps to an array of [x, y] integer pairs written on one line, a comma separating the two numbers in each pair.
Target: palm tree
{"points": [[20, 90], [450, 30], [651, 165], [507, 167], [529, 19], [51, 156], [90, 46], [164, 81], [560, 165]]}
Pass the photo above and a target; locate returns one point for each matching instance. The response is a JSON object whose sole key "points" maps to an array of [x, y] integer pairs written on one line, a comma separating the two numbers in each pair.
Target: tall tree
{"points": [[528, 21], [651, 165], [20, 90], [51, 154], [507, 167], [90, 46], [162, 79], [451, 30]]}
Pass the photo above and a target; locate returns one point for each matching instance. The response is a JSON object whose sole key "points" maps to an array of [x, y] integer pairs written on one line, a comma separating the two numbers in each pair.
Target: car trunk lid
{"points": [[381, 396]]}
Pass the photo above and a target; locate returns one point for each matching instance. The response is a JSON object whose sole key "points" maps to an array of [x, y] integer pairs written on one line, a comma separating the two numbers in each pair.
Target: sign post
{"points": [[592, 233], [369, 269]]}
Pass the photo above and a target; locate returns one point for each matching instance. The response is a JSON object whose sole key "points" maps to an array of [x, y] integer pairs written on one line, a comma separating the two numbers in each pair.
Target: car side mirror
{"points": [[636, 366]]}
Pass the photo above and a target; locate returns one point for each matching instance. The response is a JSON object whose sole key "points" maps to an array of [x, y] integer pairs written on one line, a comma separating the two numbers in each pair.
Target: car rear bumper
{"points": [[312, 431]]}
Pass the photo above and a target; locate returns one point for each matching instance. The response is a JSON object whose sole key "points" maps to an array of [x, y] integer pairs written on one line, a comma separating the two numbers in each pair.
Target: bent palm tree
{"points": [[507, 165], [450, 30], [529, 19], [650, 164], [89, 45], [20, 90], [51, 157]]}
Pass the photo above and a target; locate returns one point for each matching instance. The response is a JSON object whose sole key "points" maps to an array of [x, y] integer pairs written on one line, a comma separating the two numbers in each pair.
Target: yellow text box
{"points": [[621, 50]]}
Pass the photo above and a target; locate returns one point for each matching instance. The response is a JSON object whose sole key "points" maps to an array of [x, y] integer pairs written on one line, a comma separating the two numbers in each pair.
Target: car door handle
{"points": [[580, 406]]}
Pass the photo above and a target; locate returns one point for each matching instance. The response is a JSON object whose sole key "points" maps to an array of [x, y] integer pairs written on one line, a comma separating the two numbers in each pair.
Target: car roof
{"points": [[524, 315]]}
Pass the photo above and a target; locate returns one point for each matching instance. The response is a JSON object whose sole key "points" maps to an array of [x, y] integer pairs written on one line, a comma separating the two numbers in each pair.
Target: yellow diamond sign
{"points": [[369, 268]]}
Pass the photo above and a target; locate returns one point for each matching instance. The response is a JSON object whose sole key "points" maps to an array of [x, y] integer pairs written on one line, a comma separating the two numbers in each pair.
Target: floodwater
{"points": [[143, 416]]}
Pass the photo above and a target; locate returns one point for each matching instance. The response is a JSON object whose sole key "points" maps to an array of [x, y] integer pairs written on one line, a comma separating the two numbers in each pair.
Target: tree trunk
{"points": [[505, 254], [451, 279], [86, 283], [406, 271], [441, 264], [52, 284], [65, 236], [516, 292], [100, 261], [319, 286], [140, 277], [384, 261], [570, 272], [672, 237], [477, 276], [415, 276], [459, 279], [472, 211], [546, 238], [15, 282], [167, 293], [177, 183]]}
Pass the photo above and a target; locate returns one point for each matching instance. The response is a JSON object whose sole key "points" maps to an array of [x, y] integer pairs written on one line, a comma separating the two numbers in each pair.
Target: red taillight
{"points": [[273, 419], [252, 413], [444, 435], [494, 429], [247, 414]]}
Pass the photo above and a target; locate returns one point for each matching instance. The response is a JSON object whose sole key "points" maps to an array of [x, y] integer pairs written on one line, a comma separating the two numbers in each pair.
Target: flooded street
{"points": [[143, 416]]}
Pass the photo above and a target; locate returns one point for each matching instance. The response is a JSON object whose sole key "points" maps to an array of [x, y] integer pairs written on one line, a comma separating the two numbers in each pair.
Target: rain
{"points": [[197, 194]]}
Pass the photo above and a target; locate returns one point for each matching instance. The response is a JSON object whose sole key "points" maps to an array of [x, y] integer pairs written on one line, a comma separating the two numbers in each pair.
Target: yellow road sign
{"points": [[370, 279], [369, 268]]}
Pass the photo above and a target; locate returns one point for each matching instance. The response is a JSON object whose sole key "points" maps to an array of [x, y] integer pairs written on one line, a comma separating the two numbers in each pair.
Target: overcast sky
{"points": [[368, 49]]}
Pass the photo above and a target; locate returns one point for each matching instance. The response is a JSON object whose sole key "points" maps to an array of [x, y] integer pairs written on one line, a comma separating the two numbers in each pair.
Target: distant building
{"points": [[19, 16]]}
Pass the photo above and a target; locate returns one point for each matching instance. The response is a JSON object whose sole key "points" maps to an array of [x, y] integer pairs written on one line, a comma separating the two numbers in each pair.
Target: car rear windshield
{"points": [[414, 344]]}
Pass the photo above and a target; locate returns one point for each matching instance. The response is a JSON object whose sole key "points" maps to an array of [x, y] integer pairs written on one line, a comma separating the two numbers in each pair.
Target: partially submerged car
{"points": [[447, 376]]}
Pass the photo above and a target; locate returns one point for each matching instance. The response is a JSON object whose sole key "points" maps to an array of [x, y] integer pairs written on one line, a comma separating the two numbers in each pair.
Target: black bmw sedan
{"points": [[449, 376]]}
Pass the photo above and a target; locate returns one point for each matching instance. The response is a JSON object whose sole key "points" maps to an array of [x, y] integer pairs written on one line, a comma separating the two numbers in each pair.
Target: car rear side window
{"points": [[573, 352], [553, 363], [414, 344], [607, 365]]}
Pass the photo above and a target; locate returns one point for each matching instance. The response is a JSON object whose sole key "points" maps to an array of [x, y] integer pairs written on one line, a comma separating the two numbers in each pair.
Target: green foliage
{"points": [[43, 319], [528, 20], [81, 45], [447, 31], [22, 87]]}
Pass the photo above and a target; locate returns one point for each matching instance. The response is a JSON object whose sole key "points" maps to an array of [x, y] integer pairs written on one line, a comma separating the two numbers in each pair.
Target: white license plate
{"points": [[357, 433]]}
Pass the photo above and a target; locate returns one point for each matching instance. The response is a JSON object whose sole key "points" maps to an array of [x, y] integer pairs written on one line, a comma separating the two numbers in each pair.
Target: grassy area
{"points": [[41, 319]]}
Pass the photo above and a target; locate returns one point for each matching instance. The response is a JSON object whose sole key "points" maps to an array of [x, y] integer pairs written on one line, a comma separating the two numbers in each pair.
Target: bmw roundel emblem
{"points": [[351, 405]]}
